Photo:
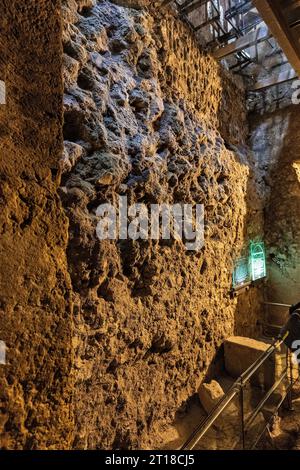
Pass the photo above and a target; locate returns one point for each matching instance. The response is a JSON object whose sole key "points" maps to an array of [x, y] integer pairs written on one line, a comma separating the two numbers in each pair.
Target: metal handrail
{"points": [[276, 304], [266, 426], [199, 432], [246, 376], [264, 400], [236, 389], [289, 394]]}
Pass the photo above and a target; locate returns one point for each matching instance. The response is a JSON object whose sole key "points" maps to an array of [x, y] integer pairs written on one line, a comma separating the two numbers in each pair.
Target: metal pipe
{"points": [[275, 304], [264, 400], [256, 365], [185, 4], [192, 6], [277, 408], [242, 417], [266, 426], [209, 421]]}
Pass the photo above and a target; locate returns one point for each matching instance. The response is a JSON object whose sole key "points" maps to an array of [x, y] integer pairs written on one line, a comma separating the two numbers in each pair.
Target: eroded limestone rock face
{"points": [[143, 113]]}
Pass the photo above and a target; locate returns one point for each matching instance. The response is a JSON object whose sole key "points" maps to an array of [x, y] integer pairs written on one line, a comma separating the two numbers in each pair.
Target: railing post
{"points": [[241, 397]]}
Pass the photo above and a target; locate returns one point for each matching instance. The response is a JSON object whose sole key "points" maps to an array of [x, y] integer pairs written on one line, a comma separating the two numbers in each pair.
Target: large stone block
{"points": [[240, 353]]}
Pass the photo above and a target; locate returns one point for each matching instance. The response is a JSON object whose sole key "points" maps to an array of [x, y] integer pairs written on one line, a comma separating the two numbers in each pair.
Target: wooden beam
{"points": [[275, 15], [283, 77], [186, 4], [250, 39]]}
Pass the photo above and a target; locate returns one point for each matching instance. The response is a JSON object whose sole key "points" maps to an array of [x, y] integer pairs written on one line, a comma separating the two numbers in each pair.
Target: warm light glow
{"points": [[296, 166], [258, 261]]}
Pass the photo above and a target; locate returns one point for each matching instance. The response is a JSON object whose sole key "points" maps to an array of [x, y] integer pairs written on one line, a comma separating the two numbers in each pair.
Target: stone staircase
{"points": [[226, 433]]}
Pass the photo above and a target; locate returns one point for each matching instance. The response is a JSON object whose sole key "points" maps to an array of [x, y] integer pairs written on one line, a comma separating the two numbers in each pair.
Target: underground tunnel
{"points": [[150, 211]]}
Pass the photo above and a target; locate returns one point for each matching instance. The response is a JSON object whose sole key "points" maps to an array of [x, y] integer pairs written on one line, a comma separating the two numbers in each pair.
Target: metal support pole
{"points": [[241, 397], [276, 304]]}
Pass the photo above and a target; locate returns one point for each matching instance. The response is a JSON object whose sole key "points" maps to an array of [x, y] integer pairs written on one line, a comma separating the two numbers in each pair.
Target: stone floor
{"points": [[283, 432]]}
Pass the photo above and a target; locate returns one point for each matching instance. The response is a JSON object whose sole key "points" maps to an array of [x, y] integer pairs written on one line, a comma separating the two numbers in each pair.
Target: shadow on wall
{"points": [[283, 230], [277, 140], [249, 314]]}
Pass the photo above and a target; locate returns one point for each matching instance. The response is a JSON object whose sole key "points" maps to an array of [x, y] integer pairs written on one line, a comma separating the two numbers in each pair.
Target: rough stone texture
{"points": [[147, 115], [228, 422], [276, 145], [35, 319], [210, 394], [271, 62]]}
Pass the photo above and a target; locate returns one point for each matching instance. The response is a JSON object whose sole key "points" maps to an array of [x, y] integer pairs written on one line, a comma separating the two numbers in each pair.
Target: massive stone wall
{"points": [[147, 116], [35, 317]]}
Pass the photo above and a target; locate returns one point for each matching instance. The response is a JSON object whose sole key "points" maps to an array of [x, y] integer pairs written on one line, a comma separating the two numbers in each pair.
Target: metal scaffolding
{"points": [[223, 23]]}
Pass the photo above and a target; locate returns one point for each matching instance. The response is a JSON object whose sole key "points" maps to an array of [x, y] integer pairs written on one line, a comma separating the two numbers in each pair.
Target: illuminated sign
{"points": [[258, 261], [250, 268]]}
